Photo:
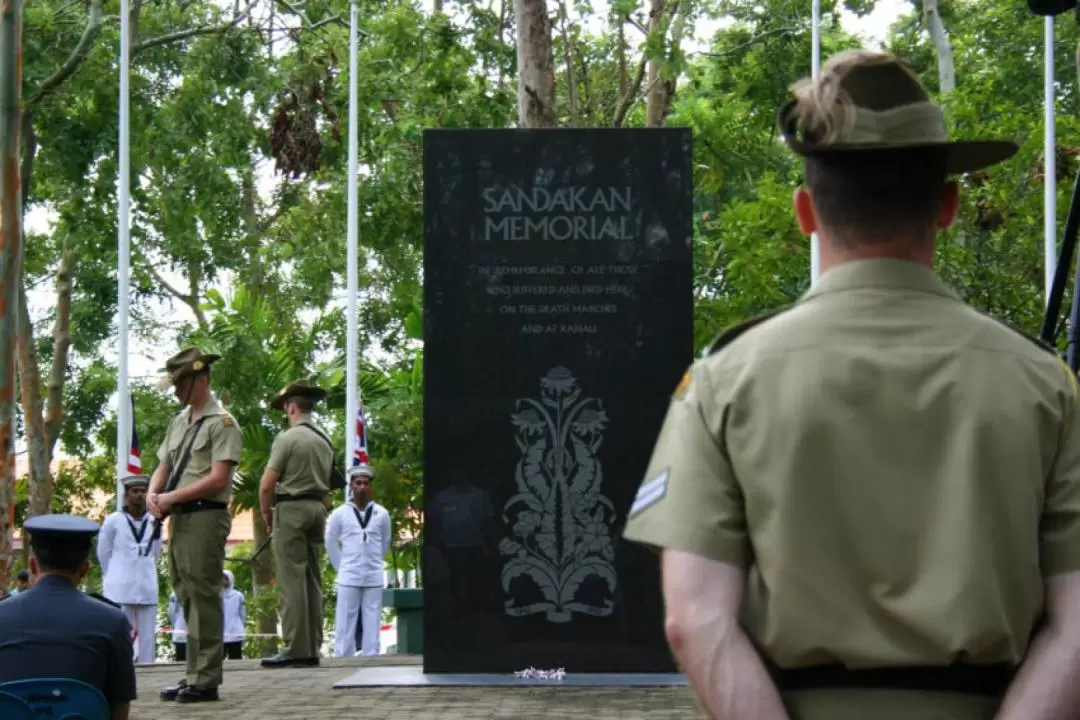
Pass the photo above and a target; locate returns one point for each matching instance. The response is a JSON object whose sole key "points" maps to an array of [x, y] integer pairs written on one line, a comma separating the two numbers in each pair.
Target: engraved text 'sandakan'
{"points": [[567, 213]]}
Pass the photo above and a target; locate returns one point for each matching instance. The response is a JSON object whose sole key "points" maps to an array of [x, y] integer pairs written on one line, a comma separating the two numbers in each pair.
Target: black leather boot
{"points": [[195, 694], [172, 691]]}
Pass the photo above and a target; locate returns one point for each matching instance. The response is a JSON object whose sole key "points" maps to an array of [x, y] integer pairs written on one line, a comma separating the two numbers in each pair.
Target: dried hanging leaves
{"points": [[294, 138], [295, 141]]}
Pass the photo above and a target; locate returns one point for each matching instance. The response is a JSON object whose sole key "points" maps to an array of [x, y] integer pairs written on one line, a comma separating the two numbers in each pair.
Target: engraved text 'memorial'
{"points": [[560, 538]]}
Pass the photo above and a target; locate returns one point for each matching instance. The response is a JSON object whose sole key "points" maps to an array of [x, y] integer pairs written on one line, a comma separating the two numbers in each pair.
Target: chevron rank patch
{"points": [[682, 387], [650, 492]]}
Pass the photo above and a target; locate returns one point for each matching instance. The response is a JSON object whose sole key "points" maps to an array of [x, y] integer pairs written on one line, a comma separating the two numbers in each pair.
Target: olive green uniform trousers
{"points": [[298, 537], [196, 565], [864, 704]]}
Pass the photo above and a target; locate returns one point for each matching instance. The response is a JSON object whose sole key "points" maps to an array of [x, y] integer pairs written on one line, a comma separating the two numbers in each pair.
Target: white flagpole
{"points": [[123, 219], [351, 397], [815, 59], [1049, 165]]}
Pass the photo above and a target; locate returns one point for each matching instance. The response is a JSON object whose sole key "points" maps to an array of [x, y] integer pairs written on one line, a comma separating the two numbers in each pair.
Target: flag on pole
{"points": [[134, 463], [360, 456]]}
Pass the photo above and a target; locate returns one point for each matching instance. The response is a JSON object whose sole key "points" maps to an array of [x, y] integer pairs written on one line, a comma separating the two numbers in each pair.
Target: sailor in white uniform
{"points": [[129, 565], [357, 540], [179, 627]]}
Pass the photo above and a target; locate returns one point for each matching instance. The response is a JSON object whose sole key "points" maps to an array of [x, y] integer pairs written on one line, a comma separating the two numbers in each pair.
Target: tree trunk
{"points": [[61, 346], [536, 65], [10, 263], [261, 578], [36, 439], [568, 58], [624, 75], [256, 281], [942, 46], [661, 86]]}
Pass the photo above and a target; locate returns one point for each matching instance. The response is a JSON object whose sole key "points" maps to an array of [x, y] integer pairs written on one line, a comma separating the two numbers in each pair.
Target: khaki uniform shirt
{"points": [[218, 440], [897, 472], [302, 460]]}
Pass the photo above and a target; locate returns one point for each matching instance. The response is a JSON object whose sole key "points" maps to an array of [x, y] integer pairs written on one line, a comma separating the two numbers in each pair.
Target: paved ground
{"points": [[251, 693]]}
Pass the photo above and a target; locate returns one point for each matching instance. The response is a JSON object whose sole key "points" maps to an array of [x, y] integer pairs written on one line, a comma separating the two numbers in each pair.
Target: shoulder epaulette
{"points": [[1038, 342], [104, 599], [732, 333]]}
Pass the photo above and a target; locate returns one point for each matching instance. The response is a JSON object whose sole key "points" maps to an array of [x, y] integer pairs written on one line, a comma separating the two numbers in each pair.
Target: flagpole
{"points": [[1049, 163], [815, 63], [352, 386], [123, 219]]}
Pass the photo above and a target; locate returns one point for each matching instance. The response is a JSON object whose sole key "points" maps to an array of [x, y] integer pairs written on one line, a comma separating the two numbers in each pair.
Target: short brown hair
{"points": [[856, 194]]}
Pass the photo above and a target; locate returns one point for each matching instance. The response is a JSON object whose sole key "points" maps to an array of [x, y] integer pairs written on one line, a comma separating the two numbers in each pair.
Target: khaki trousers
{"points": [[298, 537], [196, 565], [860, 704]]}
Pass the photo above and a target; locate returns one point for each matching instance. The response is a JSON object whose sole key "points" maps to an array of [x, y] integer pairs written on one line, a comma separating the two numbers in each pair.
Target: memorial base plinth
{"points": [[409, 603]]}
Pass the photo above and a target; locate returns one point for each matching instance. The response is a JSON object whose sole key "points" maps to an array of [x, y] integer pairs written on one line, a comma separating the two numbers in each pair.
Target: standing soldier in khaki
{"points": [[292, 495], [193, 485], [868, 504]]}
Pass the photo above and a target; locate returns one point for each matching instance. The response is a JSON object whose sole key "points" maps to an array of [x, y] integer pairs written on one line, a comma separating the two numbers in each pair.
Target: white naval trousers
{"points": [[351, 603], [143, 619]]}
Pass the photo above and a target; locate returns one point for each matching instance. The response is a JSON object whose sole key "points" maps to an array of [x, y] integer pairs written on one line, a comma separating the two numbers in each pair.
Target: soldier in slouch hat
{"points": [[292, 496], [193, 486], [868, 502]]}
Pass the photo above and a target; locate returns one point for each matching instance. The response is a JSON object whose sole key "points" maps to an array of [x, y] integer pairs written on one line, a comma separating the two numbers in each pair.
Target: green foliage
{"points": [[205, 114]]}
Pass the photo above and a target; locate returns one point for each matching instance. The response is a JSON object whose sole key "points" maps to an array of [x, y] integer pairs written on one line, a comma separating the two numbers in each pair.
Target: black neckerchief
{"points": [[365, 519], [137, 534], [367, 514]]}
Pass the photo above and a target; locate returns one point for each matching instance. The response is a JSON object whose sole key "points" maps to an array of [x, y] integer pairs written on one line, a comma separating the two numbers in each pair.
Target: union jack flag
{"points": [[360, 456], [134, 463]]}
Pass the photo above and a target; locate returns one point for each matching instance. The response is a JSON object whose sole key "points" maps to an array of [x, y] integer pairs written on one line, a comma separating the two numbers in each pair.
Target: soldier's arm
{"points": [[1048, 684], [387, 538], [691, 507], [333, 531], [268, 482], [161, 474], [702, 602], [225, 445]]}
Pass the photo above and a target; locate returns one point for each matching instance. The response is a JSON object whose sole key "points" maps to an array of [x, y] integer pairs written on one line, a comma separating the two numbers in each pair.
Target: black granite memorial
{"points": [[557, 321]]}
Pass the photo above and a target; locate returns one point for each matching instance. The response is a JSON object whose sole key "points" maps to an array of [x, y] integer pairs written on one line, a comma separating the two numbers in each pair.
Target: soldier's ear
{"points": [[805, 215], [949, 205], [84, 568]]}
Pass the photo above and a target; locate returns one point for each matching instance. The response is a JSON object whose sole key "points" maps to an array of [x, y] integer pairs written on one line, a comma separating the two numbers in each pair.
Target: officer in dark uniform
{"points": [[54, 630]]}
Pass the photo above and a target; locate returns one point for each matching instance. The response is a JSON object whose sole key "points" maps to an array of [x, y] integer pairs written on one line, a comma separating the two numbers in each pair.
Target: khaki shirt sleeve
{"points": [[690, 499], [225, 441], [1060, 529], [163, 448], [279, 453]]}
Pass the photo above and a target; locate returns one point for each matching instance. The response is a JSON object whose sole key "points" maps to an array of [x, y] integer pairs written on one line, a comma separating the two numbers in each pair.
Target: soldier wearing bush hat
{"points": [[193, 486], [293, 498], [876, 490]]}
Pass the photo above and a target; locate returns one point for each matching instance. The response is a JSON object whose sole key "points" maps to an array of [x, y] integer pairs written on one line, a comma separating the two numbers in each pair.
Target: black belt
{"points": [[290, 498], [992, 680], [200, 505]]}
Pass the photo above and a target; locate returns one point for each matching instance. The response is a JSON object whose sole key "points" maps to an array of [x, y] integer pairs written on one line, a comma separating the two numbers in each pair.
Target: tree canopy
{"points": [[239, 116]]}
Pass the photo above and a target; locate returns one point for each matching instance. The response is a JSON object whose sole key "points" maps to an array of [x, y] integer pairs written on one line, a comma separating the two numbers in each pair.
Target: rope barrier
{"points": [[170, 631], [183, 633]]}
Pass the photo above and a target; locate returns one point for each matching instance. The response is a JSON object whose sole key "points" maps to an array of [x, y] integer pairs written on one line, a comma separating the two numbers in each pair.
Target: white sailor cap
{"points": [[362, 469]]}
